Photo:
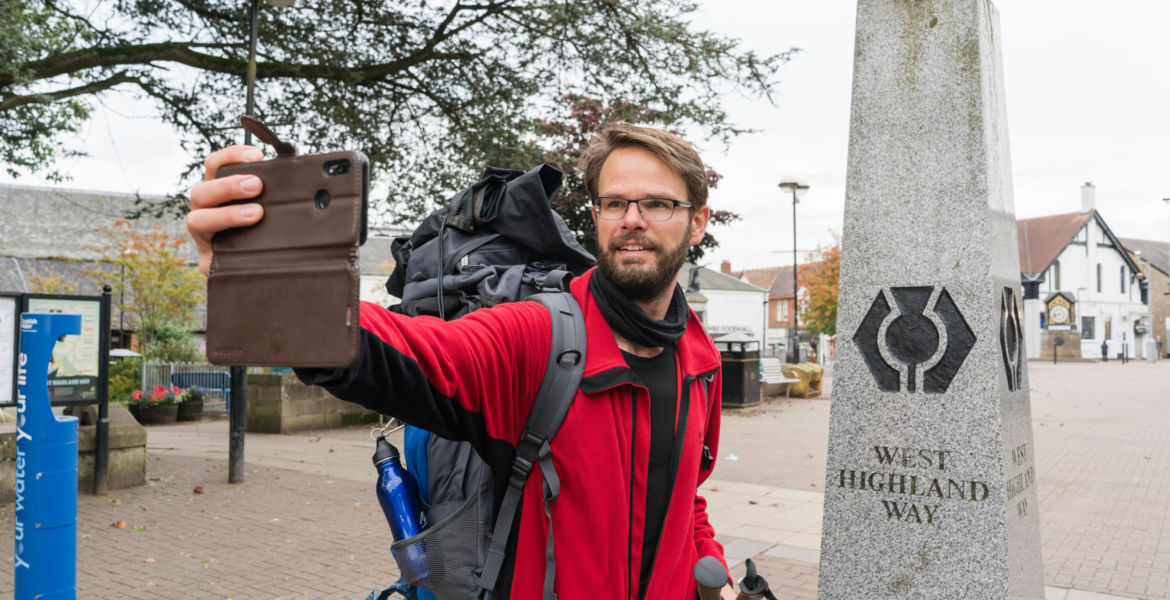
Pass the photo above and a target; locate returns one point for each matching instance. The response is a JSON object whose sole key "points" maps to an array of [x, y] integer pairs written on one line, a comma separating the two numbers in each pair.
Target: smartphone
{"points": [[284, 292]]}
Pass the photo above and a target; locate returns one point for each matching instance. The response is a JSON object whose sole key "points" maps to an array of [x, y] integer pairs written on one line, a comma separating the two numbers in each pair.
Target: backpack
{"points": [[497, 241]]}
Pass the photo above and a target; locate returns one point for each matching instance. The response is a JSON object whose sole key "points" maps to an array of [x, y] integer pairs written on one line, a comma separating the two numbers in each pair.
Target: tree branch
{"points": [[182, 53], [12, 102]]}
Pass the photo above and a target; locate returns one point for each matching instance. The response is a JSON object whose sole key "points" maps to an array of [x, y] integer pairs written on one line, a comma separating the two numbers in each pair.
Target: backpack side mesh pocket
{"points": [[441, 557]]}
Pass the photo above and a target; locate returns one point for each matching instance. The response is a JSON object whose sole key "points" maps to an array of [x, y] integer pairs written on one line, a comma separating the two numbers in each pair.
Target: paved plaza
{"points": [[306, 523]]}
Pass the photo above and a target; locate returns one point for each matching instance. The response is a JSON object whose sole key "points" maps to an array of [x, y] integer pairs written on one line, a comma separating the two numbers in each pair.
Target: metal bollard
{"points": [[46, 469]]}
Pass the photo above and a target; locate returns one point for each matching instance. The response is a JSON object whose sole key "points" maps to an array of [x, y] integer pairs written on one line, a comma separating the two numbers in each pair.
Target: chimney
{"points": [[1088, 197], [725, 267]]}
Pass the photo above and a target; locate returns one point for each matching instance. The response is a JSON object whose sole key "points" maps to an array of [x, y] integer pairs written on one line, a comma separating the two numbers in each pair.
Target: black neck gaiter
{"points": [[631, 322]]}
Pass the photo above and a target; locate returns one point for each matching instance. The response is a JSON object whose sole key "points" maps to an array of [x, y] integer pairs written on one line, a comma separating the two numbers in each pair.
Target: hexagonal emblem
{"points": [[1011, 338], [914, 338]]}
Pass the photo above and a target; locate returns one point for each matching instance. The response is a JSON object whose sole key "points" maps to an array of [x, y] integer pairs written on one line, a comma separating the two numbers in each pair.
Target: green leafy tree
{"points": [[161, 289], [171, 341], [820, 277], [125, 377], [430, 91]]}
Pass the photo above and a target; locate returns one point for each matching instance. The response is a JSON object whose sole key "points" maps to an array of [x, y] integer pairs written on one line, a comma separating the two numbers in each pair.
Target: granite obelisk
{"points": [[931, 486]]}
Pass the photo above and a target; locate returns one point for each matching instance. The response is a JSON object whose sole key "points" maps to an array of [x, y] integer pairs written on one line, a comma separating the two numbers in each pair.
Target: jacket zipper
{"points": [[630, 494]]}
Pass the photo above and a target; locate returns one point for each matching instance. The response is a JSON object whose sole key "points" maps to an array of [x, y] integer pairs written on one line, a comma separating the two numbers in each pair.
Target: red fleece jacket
{"points": [[475, 379]]}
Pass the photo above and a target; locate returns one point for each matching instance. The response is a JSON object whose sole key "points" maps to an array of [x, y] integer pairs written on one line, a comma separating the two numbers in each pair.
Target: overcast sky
{"points": [[1088, 86]]}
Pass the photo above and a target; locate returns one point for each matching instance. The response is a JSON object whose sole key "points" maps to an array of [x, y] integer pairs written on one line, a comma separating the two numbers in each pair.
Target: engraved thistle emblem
{"points": [[914, 338]]}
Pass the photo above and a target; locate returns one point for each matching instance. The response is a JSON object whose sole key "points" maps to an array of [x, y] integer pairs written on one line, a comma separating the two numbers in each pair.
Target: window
{"points": [[1087, 328], [1122, 279], [1056, 275], [1108, 328], [782, 311], [1098, 278]]}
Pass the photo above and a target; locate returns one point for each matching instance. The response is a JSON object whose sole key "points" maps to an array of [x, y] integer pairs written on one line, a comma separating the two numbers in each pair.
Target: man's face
{"points": [[643, 257]]}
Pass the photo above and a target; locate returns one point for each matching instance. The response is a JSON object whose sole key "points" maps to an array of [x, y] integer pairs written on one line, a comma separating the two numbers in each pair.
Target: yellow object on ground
{"points": [[810, 375]]}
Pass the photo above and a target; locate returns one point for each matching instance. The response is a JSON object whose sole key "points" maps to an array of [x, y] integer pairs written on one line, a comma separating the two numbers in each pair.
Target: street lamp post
{"points": [[238, 405], [798, 189]]}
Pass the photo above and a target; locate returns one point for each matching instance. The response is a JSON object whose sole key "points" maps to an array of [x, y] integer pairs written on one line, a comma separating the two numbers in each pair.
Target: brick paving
{"points": [[305, 524], [281, 534]]}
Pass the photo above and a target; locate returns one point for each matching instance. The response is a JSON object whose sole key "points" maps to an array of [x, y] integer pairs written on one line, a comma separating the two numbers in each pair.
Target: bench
{"points": [[772, 373], [212, 381]]}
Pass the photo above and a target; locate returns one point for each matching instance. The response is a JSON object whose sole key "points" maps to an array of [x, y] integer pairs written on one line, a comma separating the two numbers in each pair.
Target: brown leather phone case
{"points": [[284, 292]]}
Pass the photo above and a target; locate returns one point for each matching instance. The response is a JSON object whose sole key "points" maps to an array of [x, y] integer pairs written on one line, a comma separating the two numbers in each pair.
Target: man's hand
{"points": [[207, 216]]}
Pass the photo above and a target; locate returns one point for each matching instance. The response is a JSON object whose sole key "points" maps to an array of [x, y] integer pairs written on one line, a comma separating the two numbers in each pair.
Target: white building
{"points": [[724, 303], [1077, 254]]}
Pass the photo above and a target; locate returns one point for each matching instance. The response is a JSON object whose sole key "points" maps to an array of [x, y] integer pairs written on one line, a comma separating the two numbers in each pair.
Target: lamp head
{"points": [[791, 185]]}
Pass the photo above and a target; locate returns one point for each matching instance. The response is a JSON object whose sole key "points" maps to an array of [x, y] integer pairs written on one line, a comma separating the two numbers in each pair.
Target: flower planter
{"points": [[190, 410], [155, 415]]}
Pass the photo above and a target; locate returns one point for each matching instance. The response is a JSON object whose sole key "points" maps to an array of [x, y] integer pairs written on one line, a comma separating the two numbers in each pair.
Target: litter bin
{"points": [[740, 356]]}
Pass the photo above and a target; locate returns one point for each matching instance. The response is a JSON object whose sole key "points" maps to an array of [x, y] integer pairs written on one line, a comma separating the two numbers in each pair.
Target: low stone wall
{"points": [[127, 465], [282, 404], [1070, 349]]}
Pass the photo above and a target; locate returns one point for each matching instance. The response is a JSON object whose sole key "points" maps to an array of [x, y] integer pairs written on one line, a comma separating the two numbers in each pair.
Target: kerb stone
{"points": [[931, 485]]}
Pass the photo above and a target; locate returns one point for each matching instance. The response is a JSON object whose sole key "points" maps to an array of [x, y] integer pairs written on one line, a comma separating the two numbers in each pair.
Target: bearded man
{"points": [[643, 429]]}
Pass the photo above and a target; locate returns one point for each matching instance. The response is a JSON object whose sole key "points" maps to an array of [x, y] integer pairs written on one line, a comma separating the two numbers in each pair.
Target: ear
{"points": [[699, 224]]}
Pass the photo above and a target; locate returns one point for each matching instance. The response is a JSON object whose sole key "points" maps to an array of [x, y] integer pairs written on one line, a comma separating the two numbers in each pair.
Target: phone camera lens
{"points": [[321, 200]]}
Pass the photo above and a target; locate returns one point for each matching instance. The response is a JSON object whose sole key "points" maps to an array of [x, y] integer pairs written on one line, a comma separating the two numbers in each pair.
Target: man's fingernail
{"points": [[249, 211], [250, 185], [253, 154]]}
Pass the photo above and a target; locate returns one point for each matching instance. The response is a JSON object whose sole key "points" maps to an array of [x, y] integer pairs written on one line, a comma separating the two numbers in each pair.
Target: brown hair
{"points": [[668, 147]]}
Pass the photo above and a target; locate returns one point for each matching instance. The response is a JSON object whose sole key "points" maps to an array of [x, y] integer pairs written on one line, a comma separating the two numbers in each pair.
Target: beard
{"points": [[642, 283]]}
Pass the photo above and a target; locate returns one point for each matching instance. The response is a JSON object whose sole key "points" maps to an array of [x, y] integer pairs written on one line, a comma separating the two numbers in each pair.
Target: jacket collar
{"points": [[604, 365]]}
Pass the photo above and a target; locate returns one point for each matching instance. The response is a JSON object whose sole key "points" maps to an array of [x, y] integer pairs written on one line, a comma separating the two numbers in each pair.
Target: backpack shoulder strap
{"points": [[562, 377]]}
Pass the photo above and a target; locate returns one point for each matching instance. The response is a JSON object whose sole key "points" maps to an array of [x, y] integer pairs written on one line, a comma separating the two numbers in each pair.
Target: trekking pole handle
{"points": [[752, 586], [712, 580]]}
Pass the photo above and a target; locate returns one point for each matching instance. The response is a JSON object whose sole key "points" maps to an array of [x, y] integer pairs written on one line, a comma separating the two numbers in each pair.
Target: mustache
{"points": [[637, 240]]}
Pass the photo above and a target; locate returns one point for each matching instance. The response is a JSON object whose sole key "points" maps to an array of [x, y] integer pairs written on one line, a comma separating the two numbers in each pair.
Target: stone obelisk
{"points": [[931, 487]]}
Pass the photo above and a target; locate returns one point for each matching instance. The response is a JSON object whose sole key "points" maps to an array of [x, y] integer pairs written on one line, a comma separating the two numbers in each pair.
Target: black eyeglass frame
{"points": [[675, 204]]}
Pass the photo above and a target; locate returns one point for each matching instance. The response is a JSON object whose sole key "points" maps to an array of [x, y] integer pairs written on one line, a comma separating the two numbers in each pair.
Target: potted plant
{"points": [[191, 404], [160, 406]]}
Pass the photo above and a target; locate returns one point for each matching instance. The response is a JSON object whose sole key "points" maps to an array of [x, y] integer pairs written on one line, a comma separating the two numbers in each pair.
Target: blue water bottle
{"points": [[398, 495]]}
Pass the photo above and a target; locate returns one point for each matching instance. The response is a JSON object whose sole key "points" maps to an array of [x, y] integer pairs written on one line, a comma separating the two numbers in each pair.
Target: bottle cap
{"points": [[385, 451]]}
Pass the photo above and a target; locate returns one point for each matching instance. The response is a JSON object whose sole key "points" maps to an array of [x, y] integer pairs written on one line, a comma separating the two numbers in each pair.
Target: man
{"points": [[642, 432]]}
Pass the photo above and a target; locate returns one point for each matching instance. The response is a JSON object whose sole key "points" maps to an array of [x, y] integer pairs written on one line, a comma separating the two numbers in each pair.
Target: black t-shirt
{"points": [[659, 375]]}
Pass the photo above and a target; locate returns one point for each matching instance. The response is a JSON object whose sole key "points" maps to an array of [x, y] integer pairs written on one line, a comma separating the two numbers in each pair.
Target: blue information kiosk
{"points": [[46, 469]]}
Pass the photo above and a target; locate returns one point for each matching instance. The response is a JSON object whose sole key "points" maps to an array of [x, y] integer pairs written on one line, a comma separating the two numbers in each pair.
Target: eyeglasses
{"points": [[612, 208]]}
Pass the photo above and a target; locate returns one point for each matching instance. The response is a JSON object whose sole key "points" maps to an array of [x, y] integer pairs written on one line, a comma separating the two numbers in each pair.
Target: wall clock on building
{"points": [[1059, 307]]}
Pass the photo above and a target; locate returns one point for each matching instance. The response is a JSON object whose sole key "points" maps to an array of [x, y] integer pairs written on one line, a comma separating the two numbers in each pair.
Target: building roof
{"points": [[710, 279], [1042, 239], [777, 280], [1155, 252], [50, 222]]}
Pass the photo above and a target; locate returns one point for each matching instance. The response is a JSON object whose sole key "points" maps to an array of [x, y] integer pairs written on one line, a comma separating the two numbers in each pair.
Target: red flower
{"points": [[176, 389], [137, 395], [158, 389], [153, 399]]}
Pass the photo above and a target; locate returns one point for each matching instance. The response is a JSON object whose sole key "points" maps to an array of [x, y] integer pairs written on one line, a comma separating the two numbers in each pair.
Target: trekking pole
{"points": [[752, 585], [711, 577]]}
